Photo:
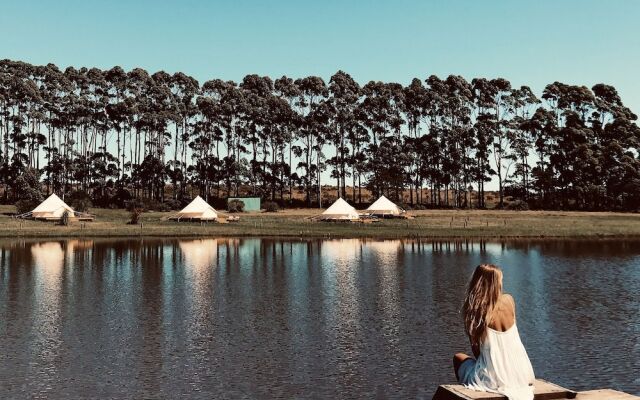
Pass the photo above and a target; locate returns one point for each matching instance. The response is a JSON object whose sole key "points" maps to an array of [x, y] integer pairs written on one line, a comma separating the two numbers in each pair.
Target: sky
{"points": [[527, 42], [530, 43]]}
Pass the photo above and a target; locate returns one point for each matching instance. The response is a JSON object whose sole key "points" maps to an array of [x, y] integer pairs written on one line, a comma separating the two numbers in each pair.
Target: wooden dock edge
{"points": [[543, 390], [608, 394]]}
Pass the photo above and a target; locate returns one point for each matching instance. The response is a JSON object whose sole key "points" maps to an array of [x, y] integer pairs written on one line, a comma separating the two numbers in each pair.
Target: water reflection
{"points": [[48, 263], [199, 261], [209, 318]]}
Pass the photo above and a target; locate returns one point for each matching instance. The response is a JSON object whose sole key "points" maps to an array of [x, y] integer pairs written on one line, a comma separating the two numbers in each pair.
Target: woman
{"points": [[501, 364]]}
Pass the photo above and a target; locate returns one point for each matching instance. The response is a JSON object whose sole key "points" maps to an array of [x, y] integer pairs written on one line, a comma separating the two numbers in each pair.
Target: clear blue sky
{"points": [[532, 42]]}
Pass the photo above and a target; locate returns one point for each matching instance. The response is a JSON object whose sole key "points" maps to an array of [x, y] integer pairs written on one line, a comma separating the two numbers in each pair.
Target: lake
{"points": [[266, 318]]}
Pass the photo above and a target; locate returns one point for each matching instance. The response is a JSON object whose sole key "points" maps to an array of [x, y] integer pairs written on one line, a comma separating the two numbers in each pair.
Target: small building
{"points": [[250, 203]]}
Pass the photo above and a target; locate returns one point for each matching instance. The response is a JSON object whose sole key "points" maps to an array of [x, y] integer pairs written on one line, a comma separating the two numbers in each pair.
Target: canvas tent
{"points": [[384, 207], [199, 210], [340, 211], [52, 208]]}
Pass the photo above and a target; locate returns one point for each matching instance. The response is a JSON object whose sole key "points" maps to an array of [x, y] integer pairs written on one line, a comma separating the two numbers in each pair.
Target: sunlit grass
{"points": [[296, 223]]}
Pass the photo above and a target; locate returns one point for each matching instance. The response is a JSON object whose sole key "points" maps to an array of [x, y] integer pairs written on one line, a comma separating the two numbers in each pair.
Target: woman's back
{"points": [[503, 315], [502, 365]]}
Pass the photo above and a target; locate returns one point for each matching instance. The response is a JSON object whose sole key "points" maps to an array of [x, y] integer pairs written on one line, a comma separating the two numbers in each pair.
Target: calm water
{"points": [[251, 318]]}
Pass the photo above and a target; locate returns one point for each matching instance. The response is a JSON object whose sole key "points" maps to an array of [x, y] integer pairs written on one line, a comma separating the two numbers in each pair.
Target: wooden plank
{"points": [[542, 390], [605, 394]]}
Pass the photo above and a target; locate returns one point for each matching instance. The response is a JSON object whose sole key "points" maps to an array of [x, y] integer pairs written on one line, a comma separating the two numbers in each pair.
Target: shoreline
{"points": [[449, 225], [450, 239]]}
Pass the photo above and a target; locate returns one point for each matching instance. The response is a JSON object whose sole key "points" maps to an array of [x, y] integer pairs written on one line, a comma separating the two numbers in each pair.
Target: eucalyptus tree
{"points": [[312, 91], [495, 102], [344, 100], [228, 113], [521, 138], [138, 82], [109, 130], [286, 88], [570, 145], [459, 139], [280, 119], [117, 111], [208, 135], [434, 161], [320, 121], [184, 90], [382, 116], [155, 112], [415, 103], [358, 138], [257, 92], [56, 89], [542, 125], [483, 128]]}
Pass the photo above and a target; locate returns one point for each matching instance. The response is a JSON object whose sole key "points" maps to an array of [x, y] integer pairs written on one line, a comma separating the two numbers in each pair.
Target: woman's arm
{"points": [[513, 303]]}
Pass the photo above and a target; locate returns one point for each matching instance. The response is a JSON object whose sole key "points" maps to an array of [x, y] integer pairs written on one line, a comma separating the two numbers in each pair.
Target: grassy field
{"points": [[296, 223]]}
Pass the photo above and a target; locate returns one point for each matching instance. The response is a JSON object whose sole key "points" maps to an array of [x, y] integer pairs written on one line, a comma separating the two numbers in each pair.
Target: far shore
{"points": [[296, 223]]}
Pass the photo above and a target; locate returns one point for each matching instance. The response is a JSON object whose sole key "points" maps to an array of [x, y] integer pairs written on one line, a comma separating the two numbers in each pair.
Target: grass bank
{"points": [[295, 223]]}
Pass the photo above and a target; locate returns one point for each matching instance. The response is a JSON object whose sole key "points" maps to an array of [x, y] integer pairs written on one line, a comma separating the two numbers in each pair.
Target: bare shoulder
{"points": [[508, 300], [503, 315]]}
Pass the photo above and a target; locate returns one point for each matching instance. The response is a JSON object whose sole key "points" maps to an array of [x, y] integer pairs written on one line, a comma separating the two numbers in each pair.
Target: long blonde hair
{"points": [[483, 293]]}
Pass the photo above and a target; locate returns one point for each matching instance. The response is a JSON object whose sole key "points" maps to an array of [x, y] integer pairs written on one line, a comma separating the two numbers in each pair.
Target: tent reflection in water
{"points": [[384, 207], [199, 253], [48, 255], [340, 211], [197, 210]]}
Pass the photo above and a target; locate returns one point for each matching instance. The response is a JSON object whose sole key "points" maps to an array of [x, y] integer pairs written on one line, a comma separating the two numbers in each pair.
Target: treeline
{"points": [[115, 133]]}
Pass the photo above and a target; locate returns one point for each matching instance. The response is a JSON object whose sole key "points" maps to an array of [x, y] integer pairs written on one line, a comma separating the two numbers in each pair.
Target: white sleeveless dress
{"points": [[502, 367]]}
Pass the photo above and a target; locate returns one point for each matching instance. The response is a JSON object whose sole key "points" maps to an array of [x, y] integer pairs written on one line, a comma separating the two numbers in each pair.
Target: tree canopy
{"points": [[118, 134]]}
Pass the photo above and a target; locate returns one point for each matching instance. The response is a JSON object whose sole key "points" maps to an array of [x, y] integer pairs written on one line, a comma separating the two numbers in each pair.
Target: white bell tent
{"points": [[340, 211], [51, 208], [384, 207], [198, 209]]}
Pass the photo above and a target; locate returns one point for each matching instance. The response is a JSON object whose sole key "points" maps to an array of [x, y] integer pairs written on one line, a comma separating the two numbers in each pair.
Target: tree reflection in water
{"points": [[299, 318]]}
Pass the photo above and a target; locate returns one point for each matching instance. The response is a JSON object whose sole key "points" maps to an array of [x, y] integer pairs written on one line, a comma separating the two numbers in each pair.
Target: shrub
{"points": [[329, 199], [23, 206], [121, 198], [173, 204], [518, 205], [27, 193], [65, 218], [154, 205], [271, 206], [235, 206], [135, 215], [80, 200], [415, 206], [27, 186], [134, 204], [151, 205]]}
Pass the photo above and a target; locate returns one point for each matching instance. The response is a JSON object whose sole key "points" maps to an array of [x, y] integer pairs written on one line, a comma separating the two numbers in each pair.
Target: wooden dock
{"points": [[543, 390]]}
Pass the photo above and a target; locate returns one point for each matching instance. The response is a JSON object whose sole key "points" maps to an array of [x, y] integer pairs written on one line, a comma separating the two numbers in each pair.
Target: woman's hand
{"points": [[475, 348]]}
